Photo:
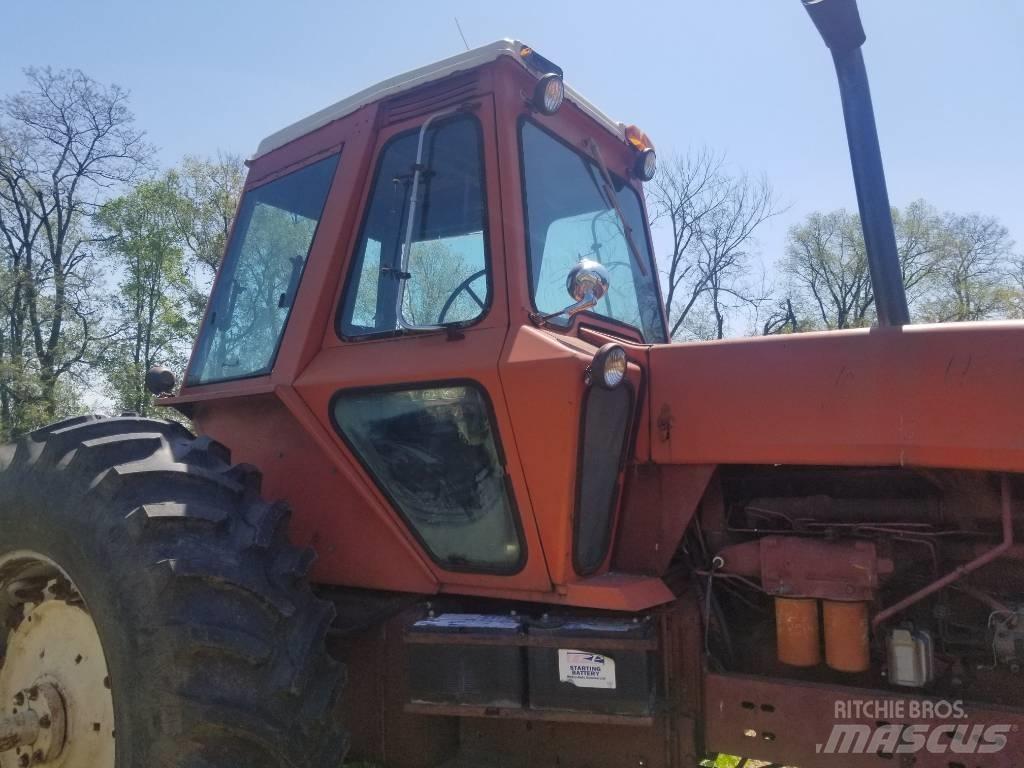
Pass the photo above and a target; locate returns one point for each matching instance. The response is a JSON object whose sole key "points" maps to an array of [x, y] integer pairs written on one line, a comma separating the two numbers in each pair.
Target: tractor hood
{"points": [[923, 395]]}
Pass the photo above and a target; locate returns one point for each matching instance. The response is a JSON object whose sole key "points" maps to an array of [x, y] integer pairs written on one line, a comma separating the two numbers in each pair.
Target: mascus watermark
{"points": [[937, 735]]}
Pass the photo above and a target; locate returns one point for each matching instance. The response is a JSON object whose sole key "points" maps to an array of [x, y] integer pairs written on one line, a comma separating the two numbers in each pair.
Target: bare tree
{"points": [[66, 142], [782, 319], [711, 216]]}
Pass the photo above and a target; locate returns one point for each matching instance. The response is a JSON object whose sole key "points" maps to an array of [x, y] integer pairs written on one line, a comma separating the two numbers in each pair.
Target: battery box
{"points": [[601, 666], [443, 670]]}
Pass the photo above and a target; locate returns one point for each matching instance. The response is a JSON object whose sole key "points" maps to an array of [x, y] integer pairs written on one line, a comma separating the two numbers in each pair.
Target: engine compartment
{"points": [[884, 578]]}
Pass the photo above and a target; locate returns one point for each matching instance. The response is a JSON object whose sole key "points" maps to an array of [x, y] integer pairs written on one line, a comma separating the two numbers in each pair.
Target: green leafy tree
{"points": [[149, 314], [955, 267], [973, 274], [207, 191]]}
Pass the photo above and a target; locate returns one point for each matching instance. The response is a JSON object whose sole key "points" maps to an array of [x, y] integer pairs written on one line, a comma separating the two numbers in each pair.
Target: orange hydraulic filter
{"points": [[846, 636], [796, 627]]}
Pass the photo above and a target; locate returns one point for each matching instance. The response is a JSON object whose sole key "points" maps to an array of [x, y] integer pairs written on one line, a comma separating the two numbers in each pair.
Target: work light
{"points": [[646, 165], [549, 94], [609, 366]]}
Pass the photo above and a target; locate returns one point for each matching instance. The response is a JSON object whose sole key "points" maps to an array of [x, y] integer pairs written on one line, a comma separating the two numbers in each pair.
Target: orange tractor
{"points": [[522, 526]]}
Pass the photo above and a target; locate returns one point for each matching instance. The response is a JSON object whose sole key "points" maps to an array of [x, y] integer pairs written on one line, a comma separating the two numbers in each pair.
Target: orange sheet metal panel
{"points": [[938, 396], [355, 543]]}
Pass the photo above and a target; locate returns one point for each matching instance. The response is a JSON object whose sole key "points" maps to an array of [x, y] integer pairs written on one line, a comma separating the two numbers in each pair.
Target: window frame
{"points": [[204, 338], [652, 265], [517, 519], [354, 269]]}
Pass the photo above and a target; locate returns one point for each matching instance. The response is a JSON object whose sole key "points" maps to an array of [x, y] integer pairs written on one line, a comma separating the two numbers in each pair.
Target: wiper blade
{"points": [[609, 192]]}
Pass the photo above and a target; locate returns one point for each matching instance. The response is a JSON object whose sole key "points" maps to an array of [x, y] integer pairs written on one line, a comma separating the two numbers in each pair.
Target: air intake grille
{"points": [[449, 92], [606, 419]]}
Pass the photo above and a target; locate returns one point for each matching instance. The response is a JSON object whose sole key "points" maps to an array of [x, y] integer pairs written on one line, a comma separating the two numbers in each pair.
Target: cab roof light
{"points": [[538, 63], [638, 139], [646, 164]]}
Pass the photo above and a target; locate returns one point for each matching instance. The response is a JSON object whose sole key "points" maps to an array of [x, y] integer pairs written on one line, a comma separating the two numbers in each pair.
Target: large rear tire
{"points": [[213, 641]]}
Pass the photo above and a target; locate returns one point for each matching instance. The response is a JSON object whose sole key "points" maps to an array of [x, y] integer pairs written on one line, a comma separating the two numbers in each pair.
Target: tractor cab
{"points": [[410, 284], [463, 152]]}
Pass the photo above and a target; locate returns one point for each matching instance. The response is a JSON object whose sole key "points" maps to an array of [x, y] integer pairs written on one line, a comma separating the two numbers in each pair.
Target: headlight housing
{"points": [[646, 165], [549, 94], [608, 370]]}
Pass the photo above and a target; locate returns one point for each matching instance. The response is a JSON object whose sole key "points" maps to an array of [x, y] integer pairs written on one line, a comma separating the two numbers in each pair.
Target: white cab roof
{"points": [[418, 77]]}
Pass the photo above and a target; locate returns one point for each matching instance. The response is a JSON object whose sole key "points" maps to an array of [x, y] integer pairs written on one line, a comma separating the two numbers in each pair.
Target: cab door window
{"points": [[445, 280]]}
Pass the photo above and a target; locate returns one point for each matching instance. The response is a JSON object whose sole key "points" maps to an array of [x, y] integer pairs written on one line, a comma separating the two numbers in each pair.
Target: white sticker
{"points": [[585, 669]]}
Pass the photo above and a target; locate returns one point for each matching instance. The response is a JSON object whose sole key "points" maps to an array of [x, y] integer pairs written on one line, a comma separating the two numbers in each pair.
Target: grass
{"points": [[723, 761]]}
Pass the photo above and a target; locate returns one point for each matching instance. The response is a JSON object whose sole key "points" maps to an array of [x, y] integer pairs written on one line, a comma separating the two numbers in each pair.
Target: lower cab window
{"points": [[432, 451]]}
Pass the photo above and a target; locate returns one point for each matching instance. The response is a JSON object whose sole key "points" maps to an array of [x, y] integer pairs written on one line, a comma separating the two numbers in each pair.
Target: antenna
{"points": [[459, 27]]}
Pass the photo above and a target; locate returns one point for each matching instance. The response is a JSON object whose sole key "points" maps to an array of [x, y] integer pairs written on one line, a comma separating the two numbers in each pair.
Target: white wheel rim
{"points": [[55, 644]]}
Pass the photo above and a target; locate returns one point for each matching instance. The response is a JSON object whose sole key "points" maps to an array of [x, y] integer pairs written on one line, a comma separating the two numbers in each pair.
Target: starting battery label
{"points": [[585, 670]]}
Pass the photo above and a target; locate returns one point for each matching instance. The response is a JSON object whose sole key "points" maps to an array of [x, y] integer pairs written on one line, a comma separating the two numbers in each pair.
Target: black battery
{"points": [[601, 666], [446, 665]]}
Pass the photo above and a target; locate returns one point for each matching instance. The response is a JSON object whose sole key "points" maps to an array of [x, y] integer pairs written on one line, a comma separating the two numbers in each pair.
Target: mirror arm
{"points": [[587, 302]]}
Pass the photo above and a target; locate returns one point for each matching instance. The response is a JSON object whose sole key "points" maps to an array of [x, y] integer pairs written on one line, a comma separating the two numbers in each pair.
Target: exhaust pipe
{"points": [[840, 26]]}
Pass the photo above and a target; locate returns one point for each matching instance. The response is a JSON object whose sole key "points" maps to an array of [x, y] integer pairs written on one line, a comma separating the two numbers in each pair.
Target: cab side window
{"points": [[444, 280]]}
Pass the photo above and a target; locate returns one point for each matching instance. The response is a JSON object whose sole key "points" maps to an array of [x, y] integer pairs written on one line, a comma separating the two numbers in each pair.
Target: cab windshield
{"points": [[568, 218]]}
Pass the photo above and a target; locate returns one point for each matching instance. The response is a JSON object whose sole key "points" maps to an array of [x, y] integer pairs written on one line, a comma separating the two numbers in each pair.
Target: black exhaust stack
{"points": [[839, 23]]}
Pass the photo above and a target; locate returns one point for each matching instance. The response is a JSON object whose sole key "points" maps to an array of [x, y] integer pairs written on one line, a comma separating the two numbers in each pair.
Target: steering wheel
{"points": [[463, 286]]}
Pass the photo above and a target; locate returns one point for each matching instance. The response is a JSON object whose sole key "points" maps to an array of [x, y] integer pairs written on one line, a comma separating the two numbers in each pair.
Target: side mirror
{"points": [[587, 283], [160, 380]]}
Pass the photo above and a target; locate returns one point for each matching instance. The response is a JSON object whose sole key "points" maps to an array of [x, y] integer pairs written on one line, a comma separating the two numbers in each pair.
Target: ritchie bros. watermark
{"points": [[937, 727]]}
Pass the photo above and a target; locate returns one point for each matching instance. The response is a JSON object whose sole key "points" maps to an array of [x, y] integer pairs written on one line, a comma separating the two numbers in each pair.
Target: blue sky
{"points": [[747, 77]]}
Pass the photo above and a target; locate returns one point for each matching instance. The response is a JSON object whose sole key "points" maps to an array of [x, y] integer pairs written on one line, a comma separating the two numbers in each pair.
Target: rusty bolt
{"points": [[45, 722], [38, 756], [33, 693], [19, 699], [23, 761]]}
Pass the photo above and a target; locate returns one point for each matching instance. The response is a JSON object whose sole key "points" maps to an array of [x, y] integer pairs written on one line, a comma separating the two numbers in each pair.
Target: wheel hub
{"points": [[38, 713], [54, 684]]}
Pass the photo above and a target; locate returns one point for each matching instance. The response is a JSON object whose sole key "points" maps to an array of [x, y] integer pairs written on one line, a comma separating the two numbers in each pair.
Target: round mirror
{"points": [[587, 279]]}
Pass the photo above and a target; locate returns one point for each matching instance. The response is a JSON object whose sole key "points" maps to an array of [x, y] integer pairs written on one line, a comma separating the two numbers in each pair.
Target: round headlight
{"points": [[646, 165], [549, 94], [609, 366]]}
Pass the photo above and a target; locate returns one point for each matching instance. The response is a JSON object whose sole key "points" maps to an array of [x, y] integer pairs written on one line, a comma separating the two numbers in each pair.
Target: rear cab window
{"points": [[259, 279]]}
